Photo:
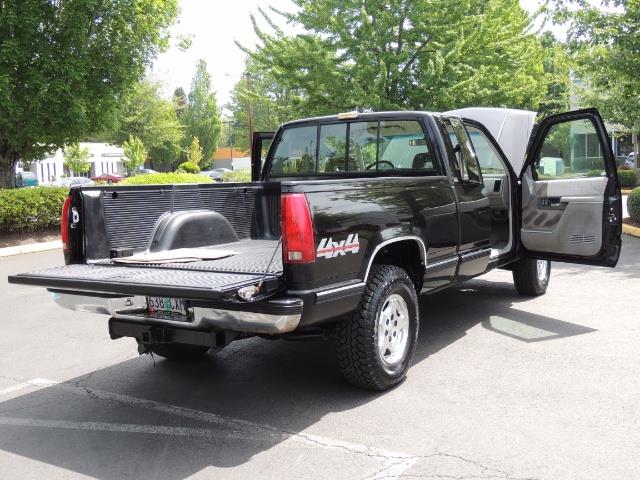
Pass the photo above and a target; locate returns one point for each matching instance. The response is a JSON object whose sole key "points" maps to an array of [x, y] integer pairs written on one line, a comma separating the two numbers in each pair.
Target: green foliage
{"points": [[166, 178], [179, 102], [269, 101], [237, 176], [184, 42], [31, 209], [604, 40], [76, 159], [152, 119], [424, 54], [135, 154], [194, 154], [202, 118], [188, 167], [633, 204], [594, 173], [64, 66], [556, 64], [627, 178]]}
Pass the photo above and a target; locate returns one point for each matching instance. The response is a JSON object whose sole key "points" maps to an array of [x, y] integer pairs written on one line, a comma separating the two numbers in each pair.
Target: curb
{"points": [[630, 230], [30, 248]]}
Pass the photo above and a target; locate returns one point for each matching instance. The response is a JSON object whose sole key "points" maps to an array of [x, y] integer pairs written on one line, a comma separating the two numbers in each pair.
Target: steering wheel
{"points": [[369, 167]]}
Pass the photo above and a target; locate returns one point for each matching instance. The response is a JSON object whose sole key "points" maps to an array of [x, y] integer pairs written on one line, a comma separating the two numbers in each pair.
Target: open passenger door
{"points": [[570, 201], [259, 149]]}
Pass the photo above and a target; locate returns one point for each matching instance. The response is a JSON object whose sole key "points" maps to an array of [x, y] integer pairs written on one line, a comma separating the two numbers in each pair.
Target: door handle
{"points": [[552, 202]]}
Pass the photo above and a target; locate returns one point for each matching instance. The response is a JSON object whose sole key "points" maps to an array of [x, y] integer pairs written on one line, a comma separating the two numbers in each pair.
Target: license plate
{"points": [[174, 306]]}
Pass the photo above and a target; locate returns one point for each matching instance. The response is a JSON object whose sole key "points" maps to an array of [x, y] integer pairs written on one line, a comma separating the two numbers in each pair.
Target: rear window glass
{"points": [[333, 148], [296, 152], [354, 147]]}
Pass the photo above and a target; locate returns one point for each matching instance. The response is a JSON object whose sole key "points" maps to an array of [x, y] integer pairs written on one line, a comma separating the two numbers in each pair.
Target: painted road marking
{"points": [[394, 464], [36, 382]]}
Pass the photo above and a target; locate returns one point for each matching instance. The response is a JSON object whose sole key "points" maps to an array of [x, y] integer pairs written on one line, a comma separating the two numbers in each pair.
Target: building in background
{"points": [[103, 158], [622, 142], [231, 158]]}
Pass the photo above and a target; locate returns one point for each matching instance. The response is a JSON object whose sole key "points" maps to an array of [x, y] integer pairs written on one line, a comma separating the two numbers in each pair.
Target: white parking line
{"points": [[36, 382], [127, 428], [394, 464]]}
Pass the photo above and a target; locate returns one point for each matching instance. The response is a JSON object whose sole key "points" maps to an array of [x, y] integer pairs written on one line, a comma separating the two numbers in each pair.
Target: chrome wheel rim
{"points": [[393, 330], [542, 268]]}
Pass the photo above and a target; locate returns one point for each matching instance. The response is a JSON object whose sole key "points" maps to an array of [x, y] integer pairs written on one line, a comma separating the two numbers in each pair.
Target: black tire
{"points": [[530, 277], [179, 352], [359, 357]]}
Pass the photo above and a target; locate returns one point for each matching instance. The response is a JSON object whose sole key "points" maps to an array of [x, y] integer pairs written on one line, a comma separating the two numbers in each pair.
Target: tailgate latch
{"points": [[75, 217]]}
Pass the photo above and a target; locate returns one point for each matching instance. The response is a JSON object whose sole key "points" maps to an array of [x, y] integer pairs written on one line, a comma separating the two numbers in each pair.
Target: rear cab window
{"points": [[362, 147]]}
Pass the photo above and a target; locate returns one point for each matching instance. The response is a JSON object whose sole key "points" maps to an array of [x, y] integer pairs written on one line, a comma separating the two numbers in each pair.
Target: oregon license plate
{"points": [[173, 306]]}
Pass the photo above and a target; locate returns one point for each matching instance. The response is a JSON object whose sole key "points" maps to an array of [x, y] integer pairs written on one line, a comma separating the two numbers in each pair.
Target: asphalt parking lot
{"points": [[501, 387]]}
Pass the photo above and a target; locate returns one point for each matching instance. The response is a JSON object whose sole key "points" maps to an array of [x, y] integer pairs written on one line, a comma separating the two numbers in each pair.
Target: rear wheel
{"points": [[179, 352], [531, 277], [376, 344]]}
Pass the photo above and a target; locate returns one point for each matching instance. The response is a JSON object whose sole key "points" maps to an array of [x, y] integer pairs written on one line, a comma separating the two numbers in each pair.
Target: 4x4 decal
{"points": [[327, 248]]}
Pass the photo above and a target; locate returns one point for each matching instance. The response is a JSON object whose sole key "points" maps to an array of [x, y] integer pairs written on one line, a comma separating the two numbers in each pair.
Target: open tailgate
{"points": [[202, 280]]}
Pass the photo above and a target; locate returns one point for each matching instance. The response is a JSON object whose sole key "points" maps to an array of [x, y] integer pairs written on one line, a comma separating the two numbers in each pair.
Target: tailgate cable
{"points": [[250, 293]]}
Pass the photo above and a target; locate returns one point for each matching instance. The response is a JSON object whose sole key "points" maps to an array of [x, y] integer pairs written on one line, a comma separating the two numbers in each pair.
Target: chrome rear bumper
{"points": [[269, 317]]}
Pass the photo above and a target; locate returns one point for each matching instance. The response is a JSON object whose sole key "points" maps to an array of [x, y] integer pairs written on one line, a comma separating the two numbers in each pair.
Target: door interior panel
{"points": [[496, 187], [563, 216]]}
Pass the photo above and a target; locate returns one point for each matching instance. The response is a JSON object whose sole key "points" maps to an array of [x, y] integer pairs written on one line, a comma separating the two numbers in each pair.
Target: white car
{"points": [[75, 182], [216, 174], [631, 160]]}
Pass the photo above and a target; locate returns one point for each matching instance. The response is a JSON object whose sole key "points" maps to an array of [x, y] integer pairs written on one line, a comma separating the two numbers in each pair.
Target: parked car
{"points": [[26, 179], [108, 177], [145, 171], [348, 220], [74, 182], [631, 160], [217, 174]]}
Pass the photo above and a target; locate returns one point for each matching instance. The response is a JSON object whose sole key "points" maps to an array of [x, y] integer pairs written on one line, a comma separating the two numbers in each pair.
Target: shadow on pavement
{"points": [[287, 385]]}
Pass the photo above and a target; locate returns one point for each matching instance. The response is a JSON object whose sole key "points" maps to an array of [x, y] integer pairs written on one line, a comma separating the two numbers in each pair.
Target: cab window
{"points": [[488, 156], [403, 145], [571, 149], [363, 146], [333, 148], [296, 152], [356, 146]]}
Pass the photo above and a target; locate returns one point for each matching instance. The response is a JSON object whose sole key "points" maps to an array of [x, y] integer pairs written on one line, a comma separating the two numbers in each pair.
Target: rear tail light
{"points": [[298, 239], [64, 223]]}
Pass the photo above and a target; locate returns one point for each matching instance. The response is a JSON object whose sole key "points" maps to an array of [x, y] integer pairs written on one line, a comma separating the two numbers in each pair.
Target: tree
{"points": [[152, 119], [179, 102], [270, 103], [403, 54], [64, 66], [202, 118], [557, 69], [194, 154], [76, 159], [605, 44], [135, 154]]}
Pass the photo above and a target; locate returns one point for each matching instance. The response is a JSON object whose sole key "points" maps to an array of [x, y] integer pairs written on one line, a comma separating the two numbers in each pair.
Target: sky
{"points": [[215, 25]]}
